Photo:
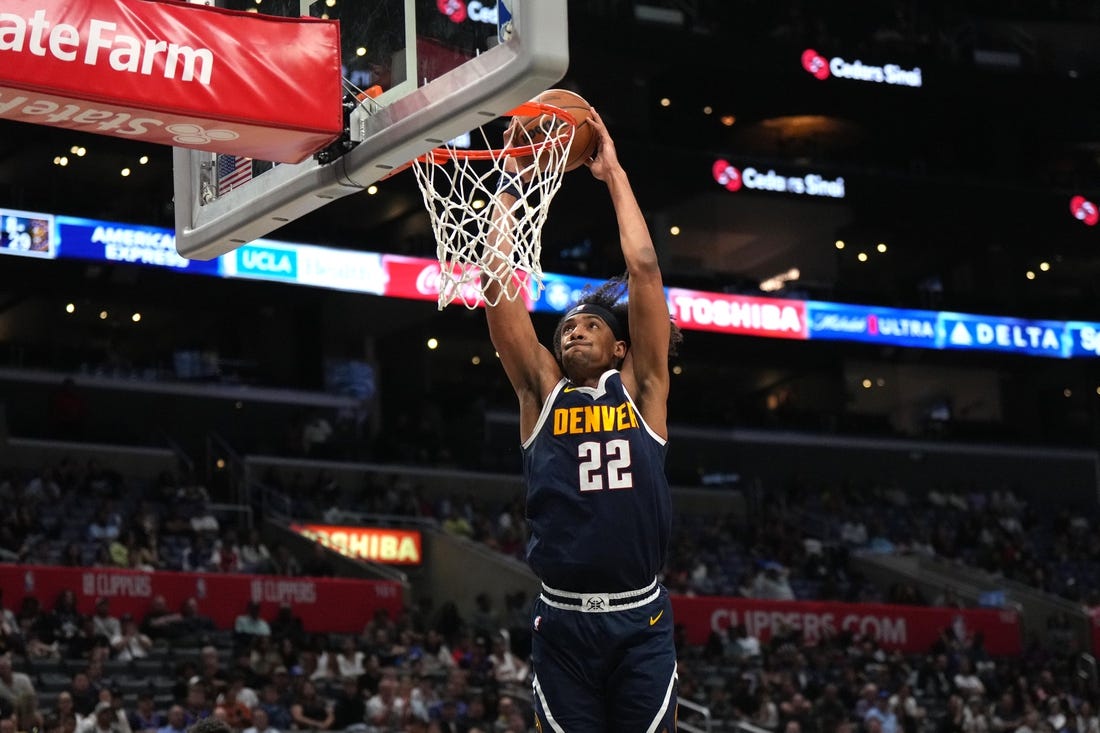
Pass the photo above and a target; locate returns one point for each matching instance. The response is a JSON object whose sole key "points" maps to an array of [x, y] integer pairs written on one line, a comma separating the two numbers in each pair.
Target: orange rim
{"points": [[527, 109]]}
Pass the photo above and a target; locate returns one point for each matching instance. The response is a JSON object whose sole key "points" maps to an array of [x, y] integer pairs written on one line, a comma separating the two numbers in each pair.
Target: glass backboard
{"points": [[417, 74]]}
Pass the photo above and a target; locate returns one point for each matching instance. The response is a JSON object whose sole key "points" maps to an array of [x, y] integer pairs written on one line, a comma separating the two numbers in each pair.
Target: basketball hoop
{"points": [[460, 189]]}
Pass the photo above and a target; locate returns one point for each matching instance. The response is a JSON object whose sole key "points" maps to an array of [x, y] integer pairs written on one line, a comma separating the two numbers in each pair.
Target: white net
{"points": [[479, 241]]}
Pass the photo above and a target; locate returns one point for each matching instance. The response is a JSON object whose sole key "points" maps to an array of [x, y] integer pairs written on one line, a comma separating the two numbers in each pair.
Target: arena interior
{"points": [[296, 507]]}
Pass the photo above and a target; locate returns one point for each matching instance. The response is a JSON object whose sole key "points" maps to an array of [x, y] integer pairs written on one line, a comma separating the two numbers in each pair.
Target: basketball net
{"points": [[471, 224]]}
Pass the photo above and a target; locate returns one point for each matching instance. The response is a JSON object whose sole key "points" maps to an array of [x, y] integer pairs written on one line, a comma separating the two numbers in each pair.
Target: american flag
{"points": [[233, 170]]}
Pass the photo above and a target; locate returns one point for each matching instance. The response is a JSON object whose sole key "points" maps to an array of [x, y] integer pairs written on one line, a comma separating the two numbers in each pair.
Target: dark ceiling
{"points": [[967, 180]]}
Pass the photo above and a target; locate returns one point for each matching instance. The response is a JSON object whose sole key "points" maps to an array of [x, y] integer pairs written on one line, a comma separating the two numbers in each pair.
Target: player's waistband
{"points": [[600, 602]]}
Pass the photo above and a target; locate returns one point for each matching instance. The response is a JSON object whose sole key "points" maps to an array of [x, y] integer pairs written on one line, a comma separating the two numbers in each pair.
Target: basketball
{"points": [[584, 138]]}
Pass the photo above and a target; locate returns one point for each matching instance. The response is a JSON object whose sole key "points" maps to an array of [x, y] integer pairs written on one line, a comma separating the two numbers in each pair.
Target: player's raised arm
{"points": [[530, 367], [646, 364]]}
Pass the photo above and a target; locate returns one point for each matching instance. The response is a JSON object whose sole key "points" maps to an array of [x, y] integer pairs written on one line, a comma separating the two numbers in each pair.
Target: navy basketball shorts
{"points": [[604, 662]]}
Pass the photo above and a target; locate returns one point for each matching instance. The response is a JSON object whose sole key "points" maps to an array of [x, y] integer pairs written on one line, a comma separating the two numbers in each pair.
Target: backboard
{"points": [[439, 68]]}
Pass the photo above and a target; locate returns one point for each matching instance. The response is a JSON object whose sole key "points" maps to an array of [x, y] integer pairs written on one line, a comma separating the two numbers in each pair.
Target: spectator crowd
{"points": [[62, 671]]}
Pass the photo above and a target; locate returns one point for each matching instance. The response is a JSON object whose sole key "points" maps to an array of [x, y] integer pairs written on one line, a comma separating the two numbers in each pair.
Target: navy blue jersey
{"points": [[598, 502]]}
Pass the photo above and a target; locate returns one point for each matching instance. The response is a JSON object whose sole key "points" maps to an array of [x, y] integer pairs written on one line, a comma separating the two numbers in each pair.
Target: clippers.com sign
{"points": [[810, 184], [910, 629], [822, 68]]}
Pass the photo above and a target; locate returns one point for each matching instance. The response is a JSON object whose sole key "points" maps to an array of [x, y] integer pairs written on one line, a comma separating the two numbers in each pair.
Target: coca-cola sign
{"points": [[421, 279]]}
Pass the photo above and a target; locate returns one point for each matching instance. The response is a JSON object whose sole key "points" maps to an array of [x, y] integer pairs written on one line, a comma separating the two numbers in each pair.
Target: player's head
{"points": [[594, 334], [607, 305]]}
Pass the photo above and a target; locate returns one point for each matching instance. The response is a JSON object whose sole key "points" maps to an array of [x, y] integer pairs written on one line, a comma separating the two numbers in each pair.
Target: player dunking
{"points": [[593, 428]]}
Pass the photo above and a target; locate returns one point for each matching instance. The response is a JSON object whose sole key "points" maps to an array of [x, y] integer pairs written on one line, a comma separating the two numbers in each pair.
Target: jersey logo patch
{"points": [[595, 603], [569, 389], [655, 619]]}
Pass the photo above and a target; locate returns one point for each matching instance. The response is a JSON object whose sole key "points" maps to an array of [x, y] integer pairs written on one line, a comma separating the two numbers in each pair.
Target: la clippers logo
{"points": [[453, 9], [1084, 210], [815, 63], [727, 175]]}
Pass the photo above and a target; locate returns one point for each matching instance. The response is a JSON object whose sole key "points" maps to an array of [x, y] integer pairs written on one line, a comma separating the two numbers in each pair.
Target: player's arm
{"points": [[646, 362], [530, 367]]}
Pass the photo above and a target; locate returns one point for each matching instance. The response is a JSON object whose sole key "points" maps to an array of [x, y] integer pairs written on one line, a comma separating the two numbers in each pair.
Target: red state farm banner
{"points": [[324, 604], [907, 628], [173, 73]]}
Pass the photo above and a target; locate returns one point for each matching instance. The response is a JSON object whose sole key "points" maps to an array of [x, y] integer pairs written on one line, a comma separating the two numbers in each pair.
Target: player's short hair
{"points": [[608, 302]]}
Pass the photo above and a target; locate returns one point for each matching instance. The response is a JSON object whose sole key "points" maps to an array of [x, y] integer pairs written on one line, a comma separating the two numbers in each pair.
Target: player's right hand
{"points": [[605, 160]]}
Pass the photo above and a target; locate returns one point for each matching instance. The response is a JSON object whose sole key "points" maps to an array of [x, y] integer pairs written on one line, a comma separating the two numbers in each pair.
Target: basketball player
{"points": [[593, 429]]}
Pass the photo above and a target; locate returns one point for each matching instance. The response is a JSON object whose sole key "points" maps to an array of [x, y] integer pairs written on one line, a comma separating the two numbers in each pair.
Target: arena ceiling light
{"points": [[778, 282]]}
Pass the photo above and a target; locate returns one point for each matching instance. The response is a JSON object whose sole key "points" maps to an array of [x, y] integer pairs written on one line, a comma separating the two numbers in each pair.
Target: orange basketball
{"points": [[584, 138]]}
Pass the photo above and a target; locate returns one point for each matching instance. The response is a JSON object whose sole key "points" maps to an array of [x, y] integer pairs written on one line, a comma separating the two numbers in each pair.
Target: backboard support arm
{"points": [[460, 100]]}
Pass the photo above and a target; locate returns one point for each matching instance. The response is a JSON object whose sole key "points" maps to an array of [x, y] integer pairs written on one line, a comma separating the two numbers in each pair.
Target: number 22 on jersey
{"points": [[604, 465]]}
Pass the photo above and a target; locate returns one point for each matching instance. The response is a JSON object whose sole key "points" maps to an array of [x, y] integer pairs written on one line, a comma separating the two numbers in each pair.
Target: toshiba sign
{"points": [[822, 68], [388, 546], [741, 314]]}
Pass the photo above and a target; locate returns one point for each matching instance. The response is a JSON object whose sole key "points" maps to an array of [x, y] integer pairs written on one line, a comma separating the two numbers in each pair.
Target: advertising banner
{"points": [[419, 278], [733, 179], [740, 314], [894, 326], [416, 278], [906, 628], [173, 73], [135, 244], [560, 292], [822, 68], [324, 604], [303, 264], [40, 235], [992, 333], [26, 234], [376, 544], [1083, 339]]}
